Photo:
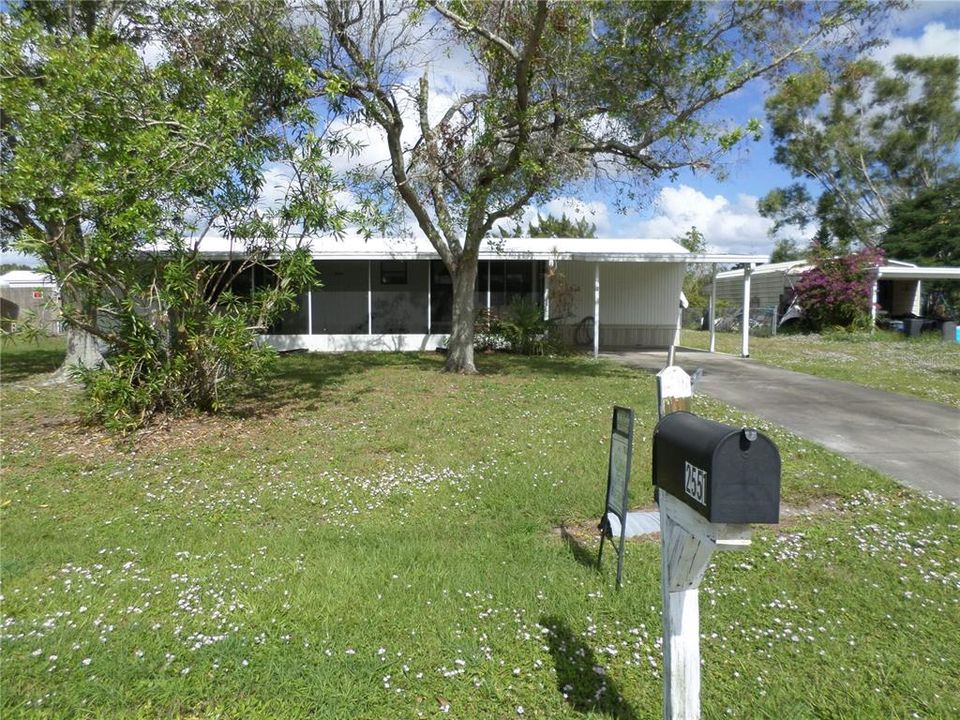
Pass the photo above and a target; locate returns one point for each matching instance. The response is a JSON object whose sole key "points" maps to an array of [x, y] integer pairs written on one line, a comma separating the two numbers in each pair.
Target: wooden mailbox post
{"points": [[712, 481]]}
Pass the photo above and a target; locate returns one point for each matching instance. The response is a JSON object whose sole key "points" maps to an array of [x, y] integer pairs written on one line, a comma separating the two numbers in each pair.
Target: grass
{"points": [[923, 367], [369, 538]]}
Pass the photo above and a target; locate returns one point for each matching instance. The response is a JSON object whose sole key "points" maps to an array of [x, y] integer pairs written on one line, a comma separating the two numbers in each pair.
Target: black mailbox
{"points": [[725, 474]]}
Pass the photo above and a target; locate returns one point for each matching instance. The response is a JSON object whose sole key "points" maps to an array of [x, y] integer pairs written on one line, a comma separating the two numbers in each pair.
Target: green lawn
{"points": [[924, 367], [369, 538]]}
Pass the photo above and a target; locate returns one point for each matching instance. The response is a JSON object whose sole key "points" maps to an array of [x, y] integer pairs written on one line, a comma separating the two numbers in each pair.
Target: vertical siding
{"points": [[630, 293], [906, 297], [765, 289]]}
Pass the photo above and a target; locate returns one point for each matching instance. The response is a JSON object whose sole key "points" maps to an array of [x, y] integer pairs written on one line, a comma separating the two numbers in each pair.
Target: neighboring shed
{"points": [[395, 294], [26, 292], [897, 290]]}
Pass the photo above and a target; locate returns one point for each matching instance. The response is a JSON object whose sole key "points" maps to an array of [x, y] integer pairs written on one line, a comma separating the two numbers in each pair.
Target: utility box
{"points": [[725, 474]]}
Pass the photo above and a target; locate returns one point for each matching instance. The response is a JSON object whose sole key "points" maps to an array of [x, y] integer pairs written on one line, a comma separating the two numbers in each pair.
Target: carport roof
{"points": [[891, 270]]}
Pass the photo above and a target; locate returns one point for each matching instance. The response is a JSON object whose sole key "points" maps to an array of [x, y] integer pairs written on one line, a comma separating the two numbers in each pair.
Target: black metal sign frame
{"points": [[618, 483]]}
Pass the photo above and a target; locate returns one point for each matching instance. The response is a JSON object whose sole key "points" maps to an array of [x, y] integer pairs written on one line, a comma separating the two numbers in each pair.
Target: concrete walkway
{"points": [[914, 441]]}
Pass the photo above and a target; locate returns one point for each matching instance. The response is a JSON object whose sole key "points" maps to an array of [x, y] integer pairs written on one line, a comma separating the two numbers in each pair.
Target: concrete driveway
{"points": [[915, 441]]}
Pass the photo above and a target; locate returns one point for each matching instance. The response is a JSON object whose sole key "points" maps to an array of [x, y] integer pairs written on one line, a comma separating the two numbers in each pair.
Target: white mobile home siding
{"points": [[638, 301], [765, 289]]}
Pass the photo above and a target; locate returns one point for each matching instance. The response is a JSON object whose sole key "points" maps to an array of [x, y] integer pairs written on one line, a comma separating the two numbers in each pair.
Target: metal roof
{"points": [[891, 270], [582, 249], [27, 279], [919, 273]]}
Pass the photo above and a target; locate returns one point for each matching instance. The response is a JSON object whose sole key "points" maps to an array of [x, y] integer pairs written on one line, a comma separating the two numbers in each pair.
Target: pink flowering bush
{"points": [[836, 291]]}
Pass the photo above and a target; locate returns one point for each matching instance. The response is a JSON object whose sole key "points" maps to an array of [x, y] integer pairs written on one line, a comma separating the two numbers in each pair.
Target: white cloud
{"points": [[937, 39], [728, 226], [10, 256]]}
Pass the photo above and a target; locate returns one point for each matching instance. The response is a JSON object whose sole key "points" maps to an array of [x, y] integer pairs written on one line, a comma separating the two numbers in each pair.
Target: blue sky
{"points": [[724, 210]]}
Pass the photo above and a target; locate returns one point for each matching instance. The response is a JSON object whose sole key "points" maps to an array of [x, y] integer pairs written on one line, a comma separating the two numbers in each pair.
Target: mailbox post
{"points": [[712, 482]]}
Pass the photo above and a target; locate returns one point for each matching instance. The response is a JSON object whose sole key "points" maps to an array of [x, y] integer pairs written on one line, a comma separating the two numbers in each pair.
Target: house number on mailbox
{"points": [[695, 480]]}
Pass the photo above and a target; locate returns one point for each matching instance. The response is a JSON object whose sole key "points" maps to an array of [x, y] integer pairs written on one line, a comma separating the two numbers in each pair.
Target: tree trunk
{"points": [[82, 349], [460, 347]]}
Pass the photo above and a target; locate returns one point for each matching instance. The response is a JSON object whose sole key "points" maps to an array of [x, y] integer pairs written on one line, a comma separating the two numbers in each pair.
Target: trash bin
{"points": [[949, 330], [913, 326]]}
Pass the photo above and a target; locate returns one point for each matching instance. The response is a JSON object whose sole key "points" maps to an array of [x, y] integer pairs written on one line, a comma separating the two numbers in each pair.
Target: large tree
{"points": [[564, 91], [115, 167], [926, 229], [869, 137]]}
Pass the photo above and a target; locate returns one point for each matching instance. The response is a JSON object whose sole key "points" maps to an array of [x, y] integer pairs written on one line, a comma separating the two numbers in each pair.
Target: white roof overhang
{"points": [[570, 249], [888, 272], [896, 270]]}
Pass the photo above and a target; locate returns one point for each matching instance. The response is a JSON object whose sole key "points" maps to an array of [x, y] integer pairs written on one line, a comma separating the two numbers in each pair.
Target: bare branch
{"points": [[464, 25]]}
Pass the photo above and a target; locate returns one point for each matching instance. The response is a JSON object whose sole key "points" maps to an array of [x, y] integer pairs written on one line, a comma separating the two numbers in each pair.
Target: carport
{"points": [[908, 273]]}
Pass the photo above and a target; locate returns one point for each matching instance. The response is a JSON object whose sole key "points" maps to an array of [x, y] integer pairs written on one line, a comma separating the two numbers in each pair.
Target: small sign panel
{"points": [[619, 452], [695, 482], [618, 471]]}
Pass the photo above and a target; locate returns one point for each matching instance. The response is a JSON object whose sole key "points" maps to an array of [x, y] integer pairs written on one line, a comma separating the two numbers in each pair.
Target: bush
{"points": [[521, 330], [836, 292], [189, 347]]}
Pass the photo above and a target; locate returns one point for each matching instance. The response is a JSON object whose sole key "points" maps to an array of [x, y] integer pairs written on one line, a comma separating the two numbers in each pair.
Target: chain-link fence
{"points": [[762, 321]]}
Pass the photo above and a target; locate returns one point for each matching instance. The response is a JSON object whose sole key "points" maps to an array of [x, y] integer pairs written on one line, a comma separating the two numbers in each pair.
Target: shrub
{"points": [[836, 292], [522, 330]]}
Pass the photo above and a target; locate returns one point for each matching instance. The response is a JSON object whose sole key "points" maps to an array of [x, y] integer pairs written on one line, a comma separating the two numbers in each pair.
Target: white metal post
{"points": [[712, 312], [369, 297], [596, 309], [310, 312], [745, 329], [489, 271], [546, 290], [873, 302]]}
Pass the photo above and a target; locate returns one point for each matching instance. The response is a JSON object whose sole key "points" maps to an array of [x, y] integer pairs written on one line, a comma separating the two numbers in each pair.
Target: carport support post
{"points": [[712, 311], [873, 302], [596, 309], [745, 320]]}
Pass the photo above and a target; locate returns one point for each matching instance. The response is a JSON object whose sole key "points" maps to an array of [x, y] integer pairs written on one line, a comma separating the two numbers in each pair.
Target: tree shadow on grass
{"points": [[302, 377], [580, 552], [19, 361], [573, 365], [581, 680]]}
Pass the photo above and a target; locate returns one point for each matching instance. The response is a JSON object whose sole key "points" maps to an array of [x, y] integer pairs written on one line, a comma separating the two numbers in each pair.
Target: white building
{"points": [[26, 292], [395, 294], [896, 287]]}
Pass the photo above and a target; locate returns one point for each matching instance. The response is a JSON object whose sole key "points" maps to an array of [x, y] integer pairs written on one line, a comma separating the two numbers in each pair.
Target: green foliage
{"points": [[870, 138], [7, 267], [835, 292], [785, 249], [115, 169], [555, 227], [697, 276], [926, 229], [521, 329], [524, 328]]}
